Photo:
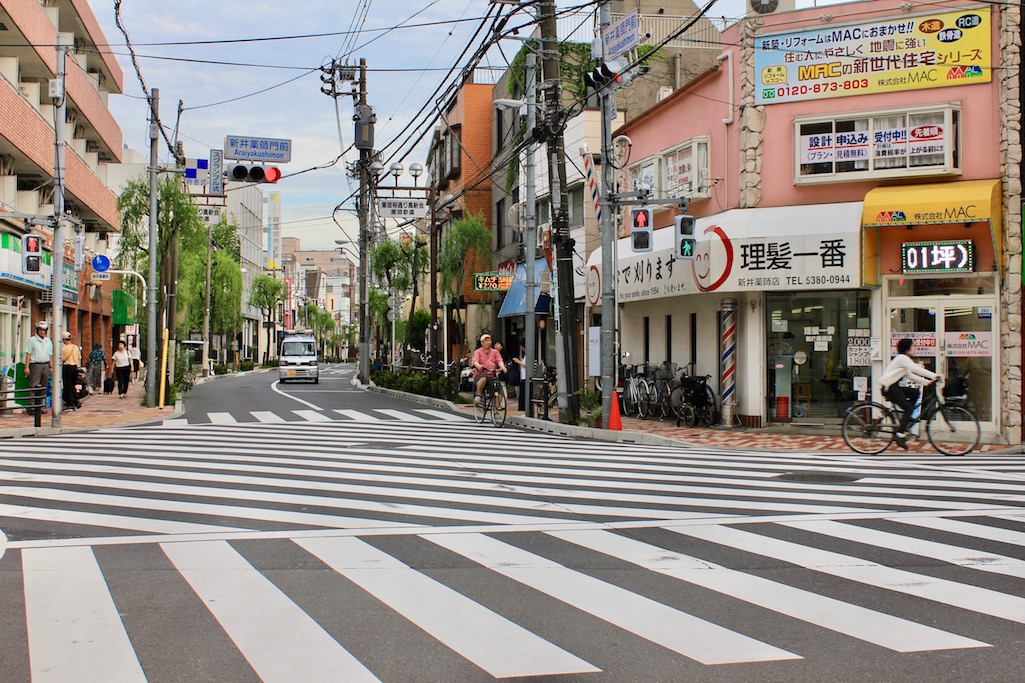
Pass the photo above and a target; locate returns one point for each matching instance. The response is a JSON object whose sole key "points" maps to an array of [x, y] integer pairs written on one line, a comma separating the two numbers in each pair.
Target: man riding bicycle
{"points": [[486, 361], [901, 367]]}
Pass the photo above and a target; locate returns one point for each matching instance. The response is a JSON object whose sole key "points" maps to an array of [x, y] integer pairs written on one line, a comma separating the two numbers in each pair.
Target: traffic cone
{"points": [[615, 423]]}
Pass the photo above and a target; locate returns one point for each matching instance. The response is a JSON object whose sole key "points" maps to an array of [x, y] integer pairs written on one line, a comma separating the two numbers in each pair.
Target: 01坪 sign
{"points": [[885, 55]]}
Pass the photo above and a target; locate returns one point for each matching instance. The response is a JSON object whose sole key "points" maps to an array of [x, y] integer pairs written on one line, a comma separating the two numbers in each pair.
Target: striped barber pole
{"points": [[728, 349], [592, 184]]}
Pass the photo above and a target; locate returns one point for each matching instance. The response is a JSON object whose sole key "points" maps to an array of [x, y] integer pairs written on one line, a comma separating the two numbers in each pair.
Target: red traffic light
{"points": [[271, 174], [254, 174]]}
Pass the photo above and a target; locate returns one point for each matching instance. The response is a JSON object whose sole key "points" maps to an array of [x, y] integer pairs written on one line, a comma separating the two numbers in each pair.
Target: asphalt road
{"points": [[321, 532]]}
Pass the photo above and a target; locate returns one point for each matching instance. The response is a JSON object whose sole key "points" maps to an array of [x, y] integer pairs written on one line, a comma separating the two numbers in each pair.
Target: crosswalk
{"points": [[308, 550], [319, 415]]}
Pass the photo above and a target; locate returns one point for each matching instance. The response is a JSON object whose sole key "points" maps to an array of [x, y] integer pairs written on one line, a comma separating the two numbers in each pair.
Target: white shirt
{"points": [[902, 367], [134, 353]]}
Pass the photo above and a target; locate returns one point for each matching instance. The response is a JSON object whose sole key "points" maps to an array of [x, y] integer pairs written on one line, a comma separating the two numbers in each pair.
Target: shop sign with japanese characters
{"points": [[403, 208], [491, 282], [952, 256], [968, 344], [752, 250], [875, 56]]}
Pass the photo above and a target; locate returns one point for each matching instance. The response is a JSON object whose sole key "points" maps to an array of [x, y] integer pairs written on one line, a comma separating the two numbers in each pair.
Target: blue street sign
{"points": [[101, 264]]}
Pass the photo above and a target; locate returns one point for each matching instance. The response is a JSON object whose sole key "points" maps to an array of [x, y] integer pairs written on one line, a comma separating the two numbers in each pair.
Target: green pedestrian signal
{"points": [[686, 250], [685, 237]]}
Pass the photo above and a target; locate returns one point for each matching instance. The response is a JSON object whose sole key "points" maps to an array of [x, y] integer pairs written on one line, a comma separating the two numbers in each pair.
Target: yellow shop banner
{"points": [[886, 55]]}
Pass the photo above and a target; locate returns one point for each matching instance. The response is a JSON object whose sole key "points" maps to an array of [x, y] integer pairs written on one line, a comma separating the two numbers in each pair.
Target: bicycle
{"points": [[870, 427], [632, 404], [694, 401], [492, 400], [661, 389]]}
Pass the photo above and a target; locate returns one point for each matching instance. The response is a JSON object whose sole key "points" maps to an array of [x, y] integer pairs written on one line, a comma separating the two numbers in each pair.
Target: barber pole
{"points": [[592, 184], [728, 361]]}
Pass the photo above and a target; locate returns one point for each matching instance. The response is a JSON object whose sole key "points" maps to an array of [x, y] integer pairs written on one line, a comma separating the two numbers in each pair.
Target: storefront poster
{"points": [[885, 55], [968, 344], [859, 348], [925, 343]]}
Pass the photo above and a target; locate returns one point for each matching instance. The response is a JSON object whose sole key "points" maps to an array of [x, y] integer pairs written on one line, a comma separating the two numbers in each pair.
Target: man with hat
{"points": [[71, 359], [485, 361], [38, 354]]}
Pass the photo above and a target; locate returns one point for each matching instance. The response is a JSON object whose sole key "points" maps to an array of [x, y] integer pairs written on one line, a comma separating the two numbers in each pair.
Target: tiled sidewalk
{"points": [[97, 411]]}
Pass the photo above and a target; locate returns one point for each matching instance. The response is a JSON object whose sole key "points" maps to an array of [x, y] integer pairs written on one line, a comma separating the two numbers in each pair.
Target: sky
{"points": [[295, 110]]}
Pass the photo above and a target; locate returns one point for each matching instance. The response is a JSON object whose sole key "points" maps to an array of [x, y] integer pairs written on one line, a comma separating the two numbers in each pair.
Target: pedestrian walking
{"points": [[38, 355], [122, 362], [521, 375], [71, 360], [97, 365], [136, 356]]}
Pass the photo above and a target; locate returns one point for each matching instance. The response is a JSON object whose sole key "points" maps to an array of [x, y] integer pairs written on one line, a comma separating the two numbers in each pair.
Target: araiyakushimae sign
{"points": [[875, 56]]}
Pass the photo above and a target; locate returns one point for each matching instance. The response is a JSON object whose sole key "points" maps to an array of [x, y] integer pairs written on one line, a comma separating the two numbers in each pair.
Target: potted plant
{"points": [[590, 408]]}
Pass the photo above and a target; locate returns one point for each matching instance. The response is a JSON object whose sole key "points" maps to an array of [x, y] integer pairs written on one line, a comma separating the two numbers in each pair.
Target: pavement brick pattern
{"points": [[97, 411]]}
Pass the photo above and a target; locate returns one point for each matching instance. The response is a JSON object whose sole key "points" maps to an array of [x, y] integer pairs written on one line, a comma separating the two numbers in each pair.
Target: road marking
{"points": [[266, 416], [943, 591], [399, 415], [155, 526], [489, 640], [990, 533], [281, 642], [882, 629], [357, 415], [276, 390], [962, 557], [222, 418], [312, 416], [678, 631], [442, 415], [74, 630]]}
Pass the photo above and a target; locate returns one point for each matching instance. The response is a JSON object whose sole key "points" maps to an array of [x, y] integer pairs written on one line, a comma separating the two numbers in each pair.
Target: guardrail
{"points": [[32, 399]]}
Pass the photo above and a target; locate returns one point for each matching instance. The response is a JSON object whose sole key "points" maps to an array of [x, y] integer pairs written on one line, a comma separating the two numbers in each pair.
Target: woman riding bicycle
{"points": [[902, 367], [486, 361]]}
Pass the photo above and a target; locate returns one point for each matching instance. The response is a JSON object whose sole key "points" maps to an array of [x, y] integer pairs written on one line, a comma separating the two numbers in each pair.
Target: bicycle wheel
{"points": [[677, 402], [687, 415], [712, 409], [643, 399], [629, 400], [665, 402], [480, 409], [953, 430], [499, 408], [869, 428]]}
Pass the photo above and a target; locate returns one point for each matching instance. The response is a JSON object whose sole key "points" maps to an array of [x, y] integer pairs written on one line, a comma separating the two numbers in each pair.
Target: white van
{"points": [[298, 358]]}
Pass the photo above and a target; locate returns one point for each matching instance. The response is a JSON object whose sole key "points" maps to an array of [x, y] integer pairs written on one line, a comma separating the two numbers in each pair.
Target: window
{"points": [[542, 211], [453, 150], [500, 227], [499, 130], [644, 176], [576, 206], [686, 170], [883, 144]]}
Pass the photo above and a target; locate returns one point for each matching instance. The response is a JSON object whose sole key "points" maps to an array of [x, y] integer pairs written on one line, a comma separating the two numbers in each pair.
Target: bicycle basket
{"points": [[956, 387], [694, 391], [666, 371]]}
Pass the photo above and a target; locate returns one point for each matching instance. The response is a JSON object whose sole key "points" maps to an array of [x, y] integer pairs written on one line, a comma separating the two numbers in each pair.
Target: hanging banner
{"points": [[884, 55]]}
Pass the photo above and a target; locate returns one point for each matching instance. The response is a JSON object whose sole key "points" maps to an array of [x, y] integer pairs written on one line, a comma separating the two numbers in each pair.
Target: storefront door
{"points": [[953, 335]]}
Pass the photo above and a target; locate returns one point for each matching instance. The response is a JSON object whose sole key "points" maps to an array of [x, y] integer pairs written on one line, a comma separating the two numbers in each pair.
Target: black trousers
{"points": [[123, 375], [69, 377], [904, 398]]}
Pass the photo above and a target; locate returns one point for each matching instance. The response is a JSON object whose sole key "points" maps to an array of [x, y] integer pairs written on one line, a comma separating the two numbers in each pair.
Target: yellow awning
{"points": [[966, 201]]}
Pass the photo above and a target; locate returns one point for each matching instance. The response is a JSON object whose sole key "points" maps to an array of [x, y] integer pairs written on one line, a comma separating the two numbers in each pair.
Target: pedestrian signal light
{"points": [[685, 239], [605, 75], [641, 237], [31, 253], [254, 174]]}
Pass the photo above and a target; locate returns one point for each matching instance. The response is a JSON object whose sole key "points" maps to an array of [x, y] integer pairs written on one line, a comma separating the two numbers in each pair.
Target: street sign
{"points": [[101, 263], [196, 171], [491, 282], [623, 35], [392, 207], [209, 214], [246, 148], [216, 185], [393, 315], [100, 277]]}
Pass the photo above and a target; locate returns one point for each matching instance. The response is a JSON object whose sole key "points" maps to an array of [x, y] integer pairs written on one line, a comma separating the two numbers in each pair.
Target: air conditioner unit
{"points": [[46, 297], [663, 92]]}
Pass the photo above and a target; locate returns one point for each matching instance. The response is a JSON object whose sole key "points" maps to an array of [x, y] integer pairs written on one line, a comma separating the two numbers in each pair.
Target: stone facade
{"points": [[752, 119]]}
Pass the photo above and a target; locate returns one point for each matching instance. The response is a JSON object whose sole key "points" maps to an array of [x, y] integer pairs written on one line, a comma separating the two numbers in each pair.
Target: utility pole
{"points": [[151, 328], [364, 141], [608, 238], [57, 92], [435, 330], [566, 322], [530, 230], [206, 307]]}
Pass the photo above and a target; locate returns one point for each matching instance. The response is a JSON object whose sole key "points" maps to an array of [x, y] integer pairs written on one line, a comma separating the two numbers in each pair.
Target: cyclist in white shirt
{"points": [[901, 367]]}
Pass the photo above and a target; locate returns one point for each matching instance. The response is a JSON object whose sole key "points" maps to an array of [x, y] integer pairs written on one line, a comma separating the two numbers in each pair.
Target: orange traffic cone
{"points": [[615, 423]]}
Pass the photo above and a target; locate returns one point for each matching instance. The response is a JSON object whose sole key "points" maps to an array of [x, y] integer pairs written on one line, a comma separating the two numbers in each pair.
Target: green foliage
{"points": [[416, 328], [225, 294], [462, 239], [377, 306], [220, 369], [266, 293], [246, 365], [185, 377], [416, 383]]}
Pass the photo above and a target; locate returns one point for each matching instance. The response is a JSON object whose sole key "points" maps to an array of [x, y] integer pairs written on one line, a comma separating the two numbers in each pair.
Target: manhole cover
{"points": [[819, 477]]}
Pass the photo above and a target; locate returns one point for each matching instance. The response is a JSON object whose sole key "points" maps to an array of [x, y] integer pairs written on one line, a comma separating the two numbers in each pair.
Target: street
{"points": [[325, 533]]}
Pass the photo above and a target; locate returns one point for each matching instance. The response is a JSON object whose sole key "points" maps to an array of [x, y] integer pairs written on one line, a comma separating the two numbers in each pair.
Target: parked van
{"points": [[298, 358]]}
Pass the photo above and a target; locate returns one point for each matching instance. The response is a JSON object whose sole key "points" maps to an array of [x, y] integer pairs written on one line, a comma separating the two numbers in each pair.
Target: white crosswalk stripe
{"points": [[312, 415], [268, 416], [380, 503]]}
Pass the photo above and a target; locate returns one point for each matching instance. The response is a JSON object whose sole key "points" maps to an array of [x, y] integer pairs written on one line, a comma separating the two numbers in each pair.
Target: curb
{"points": [[230, 375], [415, 398]]}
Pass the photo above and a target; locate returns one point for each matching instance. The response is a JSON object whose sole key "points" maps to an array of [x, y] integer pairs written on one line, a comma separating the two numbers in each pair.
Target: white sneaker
{"points": [[478, 399]]}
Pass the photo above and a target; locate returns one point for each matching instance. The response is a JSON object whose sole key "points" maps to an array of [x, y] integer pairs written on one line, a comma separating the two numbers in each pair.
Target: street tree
{"points": [[465, 243], [266, 293]]}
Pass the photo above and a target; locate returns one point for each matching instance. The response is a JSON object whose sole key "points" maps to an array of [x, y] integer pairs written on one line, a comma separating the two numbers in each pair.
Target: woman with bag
{"points": [[122, 362]]}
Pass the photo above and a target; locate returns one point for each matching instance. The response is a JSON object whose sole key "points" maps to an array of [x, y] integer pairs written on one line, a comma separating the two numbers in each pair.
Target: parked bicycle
{"points": [[632, 403], [659, 390], [870, 427], [694, 402], [492, 401]]}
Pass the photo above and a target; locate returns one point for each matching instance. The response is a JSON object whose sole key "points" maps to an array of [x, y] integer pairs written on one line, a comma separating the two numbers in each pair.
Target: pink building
{"points": [[854, 171]]}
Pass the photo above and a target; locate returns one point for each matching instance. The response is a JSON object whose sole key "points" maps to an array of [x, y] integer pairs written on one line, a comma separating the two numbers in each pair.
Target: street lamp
{"points": [[416, 170]]}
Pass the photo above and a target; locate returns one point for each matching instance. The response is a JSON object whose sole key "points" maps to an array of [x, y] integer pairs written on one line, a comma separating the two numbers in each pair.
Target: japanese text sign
{"points": [[491, 282], [953, 256], [403, 208], [886, 55], [622, 35], [246, 148]]}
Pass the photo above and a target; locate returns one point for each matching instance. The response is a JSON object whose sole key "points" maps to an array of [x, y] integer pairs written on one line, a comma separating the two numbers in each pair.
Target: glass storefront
{"points": [[819, 353]]}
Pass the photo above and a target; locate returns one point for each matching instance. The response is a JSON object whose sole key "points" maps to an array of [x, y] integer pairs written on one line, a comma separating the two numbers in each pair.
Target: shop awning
{"points": [[515, 302], [965, 202]]}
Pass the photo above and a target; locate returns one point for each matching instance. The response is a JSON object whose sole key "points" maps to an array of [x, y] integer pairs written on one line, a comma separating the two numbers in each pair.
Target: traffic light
{"points": [[641, 237], [254, 174], [604, 75], [31, 253], [685, 239]]}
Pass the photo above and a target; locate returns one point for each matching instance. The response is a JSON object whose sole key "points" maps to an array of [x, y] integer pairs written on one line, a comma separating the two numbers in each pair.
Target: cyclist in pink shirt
{"points": [[486, 361]]}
